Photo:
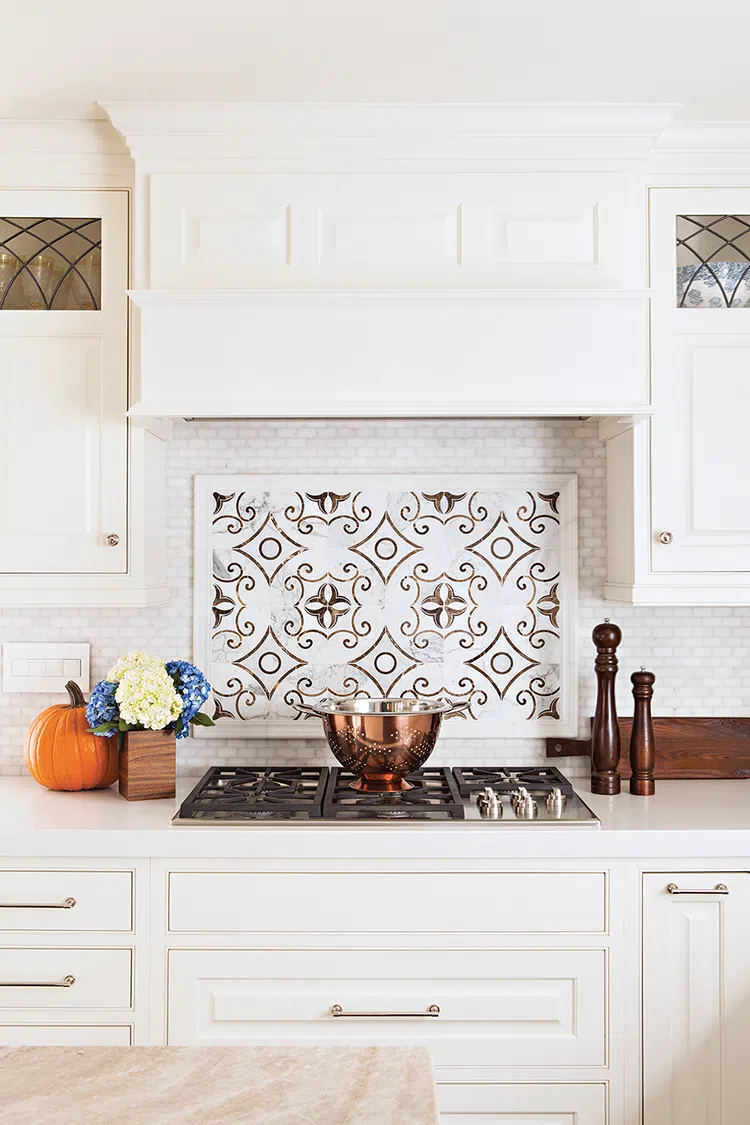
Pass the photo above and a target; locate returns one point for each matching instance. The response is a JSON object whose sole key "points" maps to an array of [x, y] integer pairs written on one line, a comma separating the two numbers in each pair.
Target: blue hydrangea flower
{"points": [[102, 707], [194, 688]]}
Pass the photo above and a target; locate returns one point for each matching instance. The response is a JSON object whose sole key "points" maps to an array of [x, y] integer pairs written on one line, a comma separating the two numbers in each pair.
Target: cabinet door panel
{"points": [[696, 1000], [522, 1104], [63, 403]]}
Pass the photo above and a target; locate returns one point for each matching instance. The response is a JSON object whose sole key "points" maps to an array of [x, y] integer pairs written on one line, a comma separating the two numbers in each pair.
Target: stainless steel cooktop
{"points": [[500, 796]]}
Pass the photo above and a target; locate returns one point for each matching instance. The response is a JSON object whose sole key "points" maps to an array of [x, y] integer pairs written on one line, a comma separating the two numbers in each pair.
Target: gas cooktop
{"points": [[501, 796]]}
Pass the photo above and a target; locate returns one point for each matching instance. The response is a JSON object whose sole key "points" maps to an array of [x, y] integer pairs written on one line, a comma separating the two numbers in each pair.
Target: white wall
{"points": [[701, 657]]}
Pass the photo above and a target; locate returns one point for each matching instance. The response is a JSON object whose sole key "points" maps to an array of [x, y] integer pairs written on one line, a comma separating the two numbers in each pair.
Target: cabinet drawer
{"points": [[66, 900], [64, 1035], [496, 1007], [522, 1104], [392, 902], [65, 978]]}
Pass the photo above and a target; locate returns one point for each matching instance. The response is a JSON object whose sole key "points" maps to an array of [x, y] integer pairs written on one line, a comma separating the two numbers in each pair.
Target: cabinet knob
{"points": [[666, 537], [112, 540]]}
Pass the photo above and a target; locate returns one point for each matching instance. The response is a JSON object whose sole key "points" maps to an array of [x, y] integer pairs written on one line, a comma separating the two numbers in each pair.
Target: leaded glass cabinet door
{"points": [[700, 454], [63, 381]]}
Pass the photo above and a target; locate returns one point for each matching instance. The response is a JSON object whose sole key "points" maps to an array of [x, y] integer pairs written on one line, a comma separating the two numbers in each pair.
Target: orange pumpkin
{"points": [[62, 754]]}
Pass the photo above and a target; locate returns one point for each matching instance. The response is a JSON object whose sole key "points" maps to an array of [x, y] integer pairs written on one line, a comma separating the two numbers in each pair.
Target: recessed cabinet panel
{"points": [[695, 989], [65, 1035], [490, 1008], [521, 1103], [425, 902], [229, 231], [63, 388]]}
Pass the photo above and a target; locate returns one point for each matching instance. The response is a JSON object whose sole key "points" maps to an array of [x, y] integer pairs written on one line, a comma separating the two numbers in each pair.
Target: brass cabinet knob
{"points": [[112, 540], [666, 537]]}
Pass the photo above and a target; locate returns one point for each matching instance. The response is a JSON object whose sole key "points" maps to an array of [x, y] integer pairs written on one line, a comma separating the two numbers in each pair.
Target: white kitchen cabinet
{"points": [[63, 399], [522, 1103], [679, 510], [696, 998]]}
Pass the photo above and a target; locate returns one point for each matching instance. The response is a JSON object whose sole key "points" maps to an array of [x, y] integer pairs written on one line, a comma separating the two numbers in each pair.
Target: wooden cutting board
{"points": [[685, 747]]}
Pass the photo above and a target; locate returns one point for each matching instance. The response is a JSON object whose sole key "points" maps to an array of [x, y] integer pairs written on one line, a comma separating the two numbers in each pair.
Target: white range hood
{"points": [[373, 261]]}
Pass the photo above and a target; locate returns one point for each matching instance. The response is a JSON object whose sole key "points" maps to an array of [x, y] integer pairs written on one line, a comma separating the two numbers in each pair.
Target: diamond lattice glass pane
{"points": [[50, 264], [713, 261]]}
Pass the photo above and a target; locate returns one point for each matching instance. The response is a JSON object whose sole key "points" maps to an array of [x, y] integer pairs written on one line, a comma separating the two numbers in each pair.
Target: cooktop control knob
{"points": [[556, 802], [527, 808], [489, 805]]}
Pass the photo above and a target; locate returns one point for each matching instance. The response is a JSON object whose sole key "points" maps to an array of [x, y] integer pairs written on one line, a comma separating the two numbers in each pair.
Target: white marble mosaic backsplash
{"points": [[699, 656]]}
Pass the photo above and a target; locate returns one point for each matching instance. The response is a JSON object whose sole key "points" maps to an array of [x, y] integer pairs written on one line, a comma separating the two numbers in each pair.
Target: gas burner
{"points": [[434, 797], [260, 793], [537, 779]]}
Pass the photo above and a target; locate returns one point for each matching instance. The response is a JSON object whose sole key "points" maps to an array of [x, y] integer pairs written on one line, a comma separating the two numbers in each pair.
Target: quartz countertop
{"points": [[227, 1085], [684, 818]]}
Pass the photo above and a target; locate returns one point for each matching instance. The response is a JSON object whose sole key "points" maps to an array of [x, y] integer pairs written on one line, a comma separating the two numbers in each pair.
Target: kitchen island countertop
{"points": [[231, 1085], [684, 818]]}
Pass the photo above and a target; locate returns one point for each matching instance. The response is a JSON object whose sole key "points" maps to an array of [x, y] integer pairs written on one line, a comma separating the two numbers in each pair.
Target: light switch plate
{"points": [[45, 668]]}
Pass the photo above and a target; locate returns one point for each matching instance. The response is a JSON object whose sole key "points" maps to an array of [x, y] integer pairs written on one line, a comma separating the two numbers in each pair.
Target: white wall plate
{"points": [[45, 668]]}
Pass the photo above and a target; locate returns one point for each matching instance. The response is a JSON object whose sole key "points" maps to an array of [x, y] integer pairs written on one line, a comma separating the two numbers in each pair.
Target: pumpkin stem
{"points": [[75, 694]]}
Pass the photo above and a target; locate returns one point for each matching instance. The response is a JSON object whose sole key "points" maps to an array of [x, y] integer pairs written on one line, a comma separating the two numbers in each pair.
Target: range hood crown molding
{"points": [[167, 134]]}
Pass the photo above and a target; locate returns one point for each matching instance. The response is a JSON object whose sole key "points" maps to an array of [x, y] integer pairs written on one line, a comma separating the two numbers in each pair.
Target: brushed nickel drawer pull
{"points": [[67, 904], [719, 889], [66, 982], [338, 1012]]}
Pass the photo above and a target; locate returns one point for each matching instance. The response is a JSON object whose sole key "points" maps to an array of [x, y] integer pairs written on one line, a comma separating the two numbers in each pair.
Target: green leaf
{"points": [[102, 728], [202, 720], [123, 726], [179, 725]]}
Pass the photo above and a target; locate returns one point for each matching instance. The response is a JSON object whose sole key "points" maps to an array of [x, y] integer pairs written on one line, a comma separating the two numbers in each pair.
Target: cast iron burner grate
{"points": [[537, 779], [435, 796], [260, 793]]}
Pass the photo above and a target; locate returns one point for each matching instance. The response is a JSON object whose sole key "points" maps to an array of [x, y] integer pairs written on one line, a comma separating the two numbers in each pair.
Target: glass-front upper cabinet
{"points": [[713, 261], [63, 382]]}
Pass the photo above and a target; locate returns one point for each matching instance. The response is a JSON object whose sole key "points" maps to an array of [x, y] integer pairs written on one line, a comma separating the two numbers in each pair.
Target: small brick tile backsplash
{"points": [[700, 656]]}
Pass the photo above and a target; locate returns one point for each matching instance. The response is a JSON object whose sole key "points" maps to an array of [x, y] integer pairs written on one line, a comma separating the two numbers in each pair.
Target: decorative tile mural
{"points": [[462, 588]]}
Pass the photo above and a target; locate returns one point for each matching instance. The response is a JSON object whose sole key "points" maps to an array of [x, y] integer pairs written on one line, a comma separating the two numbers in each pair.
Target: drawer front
{"points": [[64, 1035], [496, 1007], [373, 902], [65, 978], [66, 900], [522, 1104]]}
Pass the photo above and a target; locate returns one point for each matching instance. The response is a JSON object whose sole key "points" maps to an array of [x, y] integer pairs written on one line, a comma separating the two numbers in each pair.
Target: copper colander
{"points": [[382, 740]]}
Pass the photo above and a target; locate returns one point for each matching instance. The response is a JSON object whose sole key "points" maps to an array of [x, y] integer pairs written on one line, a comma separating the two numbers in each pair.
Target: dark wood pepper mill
{"points": [[642, 743], [605, 733]]}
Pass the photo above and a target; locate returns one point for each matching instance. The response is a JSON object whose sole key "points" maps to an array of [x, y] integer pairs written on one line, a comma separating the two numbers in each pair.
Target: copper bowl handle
{"points": [[457, 709], [306, 710]]}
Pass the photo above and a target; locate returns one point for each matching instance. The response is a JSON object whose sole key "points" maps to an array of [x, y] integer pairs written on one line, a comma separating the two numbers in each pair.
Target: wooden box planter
{"points": [[147, 765]]}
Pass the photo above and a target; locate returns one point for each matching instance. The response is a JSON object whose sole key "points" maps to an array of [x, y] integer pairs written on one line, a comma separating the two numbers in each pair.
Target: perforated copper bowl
{"points": [[382, 740]]}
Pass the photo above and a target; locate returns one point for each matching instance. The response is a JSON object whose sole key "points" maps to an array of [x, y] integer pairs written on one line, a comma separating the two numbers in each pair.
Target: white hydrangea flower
{"points": [[132, 661], [147, 697]]}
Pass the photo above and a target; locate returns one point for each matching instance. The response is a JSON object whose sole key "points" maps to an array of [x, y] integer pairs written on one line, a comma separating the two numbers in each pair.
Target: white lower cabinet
{"points": [[522, 1103], [531, 1007], [65, 978], [65, 1035], [696, 998]]}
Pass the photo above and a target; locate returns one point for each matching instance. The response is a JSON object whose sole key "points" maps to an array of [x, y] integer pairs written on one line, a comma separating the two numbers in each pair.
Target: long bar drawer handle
{"points": [[338, 1012], [66, 904], [719, 889], [66, 982]]}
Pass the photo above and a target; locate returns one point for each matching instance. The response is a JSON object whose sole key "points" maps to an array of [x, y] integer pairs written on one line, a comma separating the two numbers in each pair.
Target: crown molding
{"points": [[164, 136], [63, 153]]}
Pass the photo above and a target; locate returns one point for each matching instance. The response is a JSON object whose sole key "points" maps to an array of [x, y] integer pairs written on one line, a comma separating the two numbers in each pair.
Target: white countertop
{"points": [[230, 1085], [684, 818]]}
